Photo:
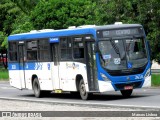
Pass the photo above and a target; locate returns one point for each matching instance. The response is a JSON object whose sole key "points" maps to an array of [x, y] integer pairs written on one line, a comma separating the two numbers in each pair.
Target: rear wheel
{"points": [[126, 93], [36, 88], [82, 89]]}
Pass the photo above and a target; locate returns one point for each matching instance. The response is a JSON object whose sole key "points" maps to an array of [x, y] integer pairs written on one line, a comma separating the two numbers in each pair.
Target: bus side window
{"points": [[32, 50], [13, 51], [43, 48], [31, 55], [66, 48], [78, 48]]}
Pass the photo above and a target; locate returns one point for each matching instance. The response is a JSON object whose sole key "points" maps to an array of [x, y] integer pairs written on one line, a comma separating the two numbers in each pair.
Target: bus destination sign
{"points": [[121, 32]]}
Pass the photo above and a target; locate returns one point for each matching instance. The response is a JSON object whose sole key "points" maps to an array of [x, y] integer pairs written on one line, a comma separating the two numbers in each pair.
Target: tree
{"points": [[152, 26], [7, 16], [15, 17], [58, 14], [22, 22], [18, 16], [13, 20], [26, 6], [143, 12], [3, 50]]}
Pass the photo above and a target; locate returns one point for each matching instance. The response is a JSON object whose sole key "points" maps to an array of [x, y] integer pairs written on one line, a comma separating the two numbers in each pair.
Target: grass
{"points": [[4, 74], [155, 80]]}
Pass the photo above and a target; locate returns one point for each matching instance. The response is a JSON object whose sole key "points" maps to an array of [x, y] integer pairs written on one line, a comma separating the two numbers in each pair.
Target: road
{"points": [[141, 98]]}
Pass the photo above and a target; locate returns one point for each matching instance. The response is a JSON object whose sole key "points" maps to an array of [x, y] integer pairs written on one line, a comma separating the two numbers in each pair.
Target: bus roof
{"points": [[67, 32]]}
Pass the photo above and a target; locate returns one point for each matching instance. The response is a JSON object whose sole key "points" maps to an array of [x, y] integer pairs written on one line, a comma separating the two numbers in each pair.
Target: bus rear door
{"points": [[55, 66], [21, 61]]}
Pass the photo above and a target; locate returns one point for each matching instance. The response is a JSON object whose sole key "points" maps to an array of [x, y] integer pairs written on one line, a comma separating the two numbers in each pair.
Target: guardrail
{"points": [[155, 70]]}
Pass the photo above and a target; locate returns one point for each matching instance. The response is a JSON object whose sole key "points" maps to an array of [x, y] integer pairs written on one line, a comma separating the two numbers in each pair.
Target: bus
{"points": [[81, 60]]}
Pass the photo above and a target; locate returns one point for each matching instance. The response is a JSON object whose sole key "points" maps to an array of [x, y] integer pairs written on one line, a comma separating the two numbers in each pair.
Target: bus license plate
{"points": [[128, 87]]}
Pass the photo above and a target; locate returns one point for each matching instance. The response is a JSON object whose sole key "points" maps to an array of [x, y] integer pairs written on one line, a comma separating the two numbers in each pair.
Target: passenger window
{"points": [[13, 51], [44, 50], [78, 48], [32, 50], [66, 48]]}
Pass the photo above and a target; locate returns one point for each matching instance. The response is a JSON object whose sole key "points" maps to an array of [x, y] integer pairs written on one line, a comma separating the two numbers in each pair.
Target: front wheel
{"points": [[82, 89], [126, 93]]}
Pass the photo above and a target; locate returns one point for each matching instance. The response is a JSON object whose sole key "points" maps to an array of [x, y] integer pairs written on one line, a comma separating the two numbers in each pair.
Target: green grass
{"points": [[155, 80], [4, 74]]}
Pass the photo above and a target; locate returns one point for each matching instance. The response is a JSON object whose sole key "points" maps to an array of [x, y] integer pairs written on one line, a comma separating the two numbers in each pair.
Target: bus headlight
{"points": [[105, 78], [148, 73]]}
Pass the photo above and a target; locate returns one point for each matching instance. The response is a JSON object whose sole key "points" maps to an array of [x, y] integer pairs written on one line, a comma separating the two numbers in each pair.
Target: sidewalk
{"points": [[4, 81]]}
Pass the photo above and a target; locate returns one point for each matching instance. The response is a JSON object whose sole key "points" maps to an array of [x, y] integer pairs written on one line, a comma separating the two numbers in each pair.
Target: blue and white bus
{"points": [[83, 60]]}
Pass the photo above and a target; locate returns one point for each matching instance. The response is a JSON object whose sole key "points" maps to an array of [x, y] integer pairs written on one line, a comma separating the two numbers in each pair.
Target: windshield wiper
{"points": [[115, 47]]}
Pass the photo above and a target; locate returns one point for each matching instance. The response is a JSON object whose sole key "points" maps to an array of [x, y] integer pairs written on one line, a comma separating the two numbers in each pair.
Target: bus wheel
{"points": [[84, 95], [36, 88], [126, 93]]}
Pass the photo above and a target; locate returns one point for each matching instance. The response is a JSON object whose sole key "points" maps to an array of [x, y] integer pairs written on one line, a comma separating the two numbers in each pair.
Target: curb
{"points": [[4, 81]]}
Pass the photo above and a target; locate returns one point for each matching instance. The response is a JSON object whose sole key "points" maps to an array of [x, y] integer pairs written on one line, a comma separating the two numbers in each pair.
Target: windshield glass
{"points": [[123, 53]]}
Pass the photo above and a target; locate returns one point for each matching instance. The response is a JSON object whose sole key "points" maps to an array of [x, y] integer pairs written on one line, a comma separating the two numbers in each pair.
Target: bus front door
{"points": [[91, 66], [21, 54]]}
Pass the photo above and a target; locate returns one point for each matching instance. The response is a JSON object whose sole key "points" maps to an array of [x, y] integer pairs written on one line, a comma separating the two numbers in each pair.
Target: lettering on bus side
{"points": [[72, 66], [53, 40], [138, 77], [49, 66], [38, 66]]}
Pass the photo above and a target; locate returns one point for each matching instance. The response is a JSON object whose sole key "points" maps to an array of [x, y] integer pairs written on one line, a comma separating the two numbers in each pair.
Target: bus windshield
{"points": [[122, 54]]}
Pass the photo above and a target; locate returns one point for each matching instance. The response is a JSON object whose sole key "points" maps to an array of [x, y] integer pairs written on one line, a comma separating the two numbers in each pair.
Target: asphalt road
{"points": [[141, 98]]}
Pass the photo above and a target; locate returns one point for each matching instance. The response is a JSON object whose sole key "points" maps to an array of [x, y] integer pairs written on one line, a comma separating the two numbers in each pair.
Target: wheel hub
{"points": [[83, 90]]}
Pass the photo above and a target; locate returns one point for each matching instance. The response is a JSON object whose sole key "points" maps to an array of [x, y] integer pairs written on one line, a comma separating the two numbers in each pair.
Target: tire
{"points": [[84, 95], [36, 88], [126, 93]]}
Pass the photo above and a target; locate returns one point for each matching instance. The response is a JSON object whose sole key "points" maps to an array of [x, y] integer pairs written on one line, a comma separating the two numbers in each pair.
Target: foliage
{"points": [[22, 24], [7, 19], [7, 16], [18, 16], [25, 5], [14, 19], [3, 38], [58, 14], [142, 12]]}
